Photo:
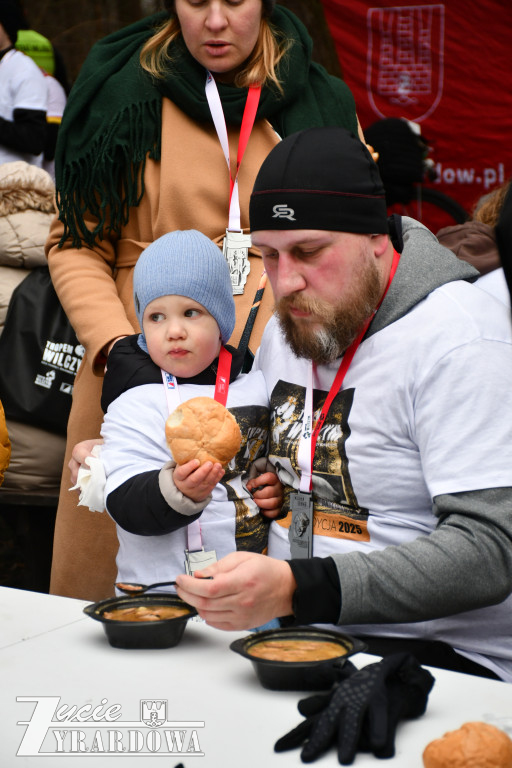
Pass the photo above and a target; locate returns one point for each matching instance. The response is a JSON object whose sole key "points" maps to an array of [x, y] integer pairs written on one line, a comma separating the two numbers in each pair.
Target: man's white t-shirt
{"points": [[425, 410], [495, 283]]}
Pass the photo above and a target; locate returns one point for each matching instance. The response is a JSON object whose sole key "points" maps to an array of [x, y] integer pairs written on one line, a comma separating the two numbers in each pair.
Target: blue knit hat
{"points": [[185, 263]]}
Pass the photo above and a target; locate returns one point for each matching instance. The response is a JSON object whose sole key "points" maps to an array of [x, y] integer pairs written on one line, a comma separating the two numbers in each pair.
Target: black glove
{"points": [[312, 708], [363, 711]]}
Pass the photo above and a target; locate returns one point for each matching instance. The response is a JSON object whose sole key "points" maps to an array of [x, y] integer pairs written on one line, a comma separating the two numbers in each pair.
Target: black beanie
{"points": [[320, 178], [11, 18]]}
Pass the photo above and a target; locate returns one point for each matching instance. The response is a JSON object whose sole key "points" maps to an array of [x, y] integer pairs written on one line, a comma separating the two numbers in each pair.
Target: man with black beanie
{"points": [[23, 94], [389, 376]]}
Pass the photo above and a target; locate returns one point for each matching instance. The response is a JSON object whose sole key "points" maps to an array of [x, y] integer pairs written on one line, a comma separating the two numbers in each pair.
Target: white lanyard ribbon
{"points": [[304, 450], [171, 390], [195, 542], [219, 121]]}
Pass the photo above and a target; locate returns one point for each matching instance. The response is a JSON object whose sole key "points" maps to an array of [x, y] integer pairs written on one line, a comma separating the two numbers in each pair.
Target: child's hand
{"points": [[80, 453], [267, 491], [197, 481]]}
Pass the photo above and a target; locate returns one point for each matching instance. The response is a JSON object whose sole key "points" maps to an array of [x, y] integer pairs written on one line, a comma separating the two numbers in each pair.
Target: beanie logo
{"points": [[283, 212]]}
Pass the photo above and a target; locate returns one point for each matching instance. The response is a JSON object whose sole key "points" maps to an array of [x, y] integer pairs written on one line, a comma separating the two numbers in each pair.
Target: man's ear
{"points": [[380, 244]]}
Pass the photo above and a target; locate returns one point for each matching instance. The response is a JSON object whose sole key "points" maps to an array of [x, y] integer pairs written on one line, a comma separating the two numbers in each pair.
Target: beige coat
{"points": [[187, 189]]}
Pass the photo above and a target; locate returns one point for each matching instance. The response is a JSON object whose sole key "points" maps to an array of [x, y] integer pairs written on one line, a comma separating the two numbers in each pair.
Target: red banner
{"points": [[446, 67]]}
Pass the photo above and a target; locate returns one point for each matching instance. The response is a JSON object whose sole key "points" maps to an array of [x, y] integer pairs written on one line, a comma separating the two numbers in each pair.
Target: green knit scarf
{"points": [[112, 120]]}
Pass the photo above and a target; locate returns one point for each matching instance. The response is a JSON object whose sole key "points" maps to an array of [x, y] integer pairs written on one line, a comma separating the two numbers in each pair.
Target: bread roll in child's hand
{"points": [[202, 429], [473, 744]]}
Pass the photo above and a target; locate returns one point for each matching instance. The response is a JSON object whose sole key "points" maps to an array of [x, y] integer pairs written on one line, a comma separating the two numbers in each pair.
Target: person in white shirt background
{"points": [[42, 52], [23, 95]]}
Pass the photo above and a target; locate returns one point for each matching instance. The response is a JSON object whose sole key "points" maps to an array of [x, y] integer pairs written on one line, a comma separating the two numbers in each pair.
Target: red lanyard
{"points": [[222, 380], [249, 116], [345, 364]]}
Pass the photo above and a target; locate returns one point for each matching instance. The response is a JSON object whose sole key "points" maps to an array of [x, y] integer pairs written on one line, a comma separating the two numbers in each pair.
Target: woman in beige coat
{"points": [[139, 156]]}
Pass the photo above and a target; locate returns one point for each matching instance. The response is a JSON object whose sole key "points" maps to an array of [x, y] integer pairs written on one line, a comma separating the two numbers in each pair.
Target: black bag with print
{"points": [[39, 355]]}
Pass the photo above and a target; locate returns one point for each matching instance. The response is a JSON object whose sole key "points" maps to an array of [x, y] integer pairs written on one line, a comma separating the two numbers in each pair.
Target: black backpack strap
{"points": [[249, 325]]}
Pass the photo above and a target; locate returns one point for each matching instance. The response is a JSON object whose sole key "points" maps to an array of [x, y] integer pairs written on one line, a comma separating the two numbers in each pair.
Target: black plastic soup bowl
{"points": [[298, 675], [165, 633]]}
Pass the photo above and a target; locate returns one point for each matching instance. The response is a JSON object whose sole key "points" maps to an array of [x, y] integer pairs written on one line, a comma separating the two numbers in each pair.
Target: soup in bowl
{"points": [[151, 620], [297, 658]]}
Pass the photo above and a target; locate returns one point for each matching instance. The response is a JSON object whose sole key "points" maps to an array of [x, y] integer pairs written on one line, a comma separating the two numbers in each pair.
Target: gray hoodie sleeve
{"points": [[466, 563]]}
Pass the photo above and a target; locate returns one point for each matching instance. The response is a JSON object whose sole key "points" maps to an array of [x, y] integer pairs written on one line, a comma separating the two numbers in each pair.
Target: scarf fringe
{"points": [[109, 179]]}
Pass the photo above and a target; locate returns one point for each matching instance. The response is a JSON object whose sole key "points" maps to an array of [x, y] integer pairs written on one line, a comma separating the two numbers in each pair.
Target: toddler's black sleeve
{"points": [[139, 507]]}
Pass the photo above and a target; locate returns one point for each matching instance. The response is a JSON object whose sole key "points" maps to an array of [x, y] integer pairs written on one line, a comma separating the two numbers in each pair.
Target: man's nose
{"points": [[288, 278]]}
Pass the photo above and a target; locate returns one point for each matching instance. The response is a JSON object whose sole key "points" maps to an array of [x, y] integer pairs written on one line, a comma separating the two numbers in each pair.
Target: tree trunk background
{"points": [[73, 27]]}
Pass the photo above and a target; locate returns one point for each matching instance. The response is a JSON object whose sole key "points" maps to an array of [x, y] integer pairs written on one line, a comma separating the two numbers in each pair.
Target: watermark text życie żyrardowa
{"points": [[58, 729]]}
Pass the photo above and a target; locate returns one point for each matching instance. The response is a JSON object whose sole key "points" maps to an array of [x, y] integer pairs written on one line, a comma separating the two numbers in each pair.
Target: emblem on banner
{"points": [[405, 62], [153, 713]]}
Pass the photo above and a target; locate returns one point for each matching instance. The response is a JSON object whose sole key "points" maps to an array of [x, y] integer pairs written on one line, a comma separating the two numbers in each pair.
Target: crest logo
{"points": [[153, 713], [405, 62]]}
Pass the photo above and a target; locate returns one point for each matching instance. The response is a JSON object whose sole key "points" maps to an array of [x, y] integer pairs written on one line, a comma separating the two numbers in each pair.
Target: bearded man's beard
{"points": [[330, 329]]}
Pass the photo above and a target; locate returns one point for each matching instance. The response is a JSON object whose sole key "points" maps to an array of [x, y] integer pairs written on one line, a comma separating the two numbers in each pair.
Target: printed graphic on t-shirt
{"points": [[336, 511], [251, 528]]}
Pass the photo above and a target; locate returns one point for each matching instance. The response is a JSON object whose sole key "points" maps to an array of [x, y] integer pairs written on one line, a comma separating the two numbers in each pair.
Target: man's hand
{"points": [[244, 590], [267, 491], [78, 455], [197, 481]]}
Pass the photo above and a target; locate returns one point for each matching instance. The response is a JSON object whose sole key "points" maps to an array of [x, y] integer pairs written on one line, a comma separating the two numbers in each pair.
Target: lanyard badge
{"points": [[300, 534], [236, 252], [198, 559]]}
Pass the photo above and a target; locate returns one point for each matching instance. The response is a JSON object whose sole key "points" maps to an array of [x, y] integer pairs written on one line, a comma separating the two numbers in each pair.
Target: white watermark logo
{"points": [[60, 729]]}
